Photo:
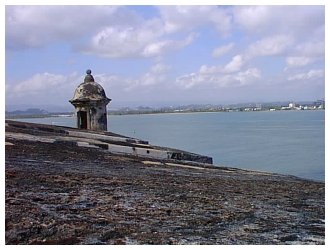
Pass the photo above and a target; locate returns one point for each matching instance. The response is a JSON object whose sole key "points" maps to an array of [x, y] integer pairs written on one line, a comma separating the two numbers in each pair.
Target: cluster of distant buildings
{"points": [[319, 104]]}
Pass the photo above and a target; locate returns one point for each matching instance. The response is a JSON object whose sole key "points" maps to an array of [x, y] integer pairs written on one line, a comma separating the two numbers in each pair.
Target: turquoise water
{"points": [[286, 142]]}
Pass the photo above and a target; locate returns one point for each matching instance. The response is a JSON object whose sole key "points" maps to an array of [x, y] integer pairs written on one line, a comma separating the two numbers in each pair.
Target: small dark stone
{"points": [[291, 237], [113, 234]]}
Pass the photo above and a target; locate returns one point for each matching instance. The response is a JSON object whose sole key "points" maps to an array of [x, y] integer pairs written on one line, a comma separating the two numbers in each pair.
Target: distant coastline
{"points": [[39, 113]]}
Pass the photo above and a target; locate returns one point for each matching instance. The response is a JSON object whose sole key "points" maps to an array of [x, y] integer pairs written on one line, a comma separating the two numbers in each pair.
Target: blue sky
{"points": [[165, 55]]}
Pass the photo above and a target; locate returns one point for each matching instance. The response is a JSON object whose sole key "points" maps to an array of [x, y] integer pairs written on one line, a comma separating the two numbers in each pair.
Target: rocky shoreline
{"points": [[60, 193]]}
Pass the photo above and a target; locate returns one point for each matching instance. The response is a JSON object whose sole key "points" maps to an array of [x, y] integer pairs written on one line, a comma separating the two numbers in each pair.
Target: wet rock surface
{"points": [[59, 193]]}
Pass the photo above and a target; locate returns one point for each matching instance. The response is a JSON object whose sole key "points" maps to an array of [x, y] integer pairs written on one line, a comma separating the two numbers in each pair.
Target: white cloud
{"points": [[248, 76], [220, 51], [222, 20], [160, 68], [45, 88], [110, 82], [298, 61], [238, 79], [156, 75], [204, 69], [294, 34], [312, 74], [253, 18], [269, 46], [178, 18], [235, 64], [187, 18], [107, 31], [56, 88], [40, 82], [119, 42], [299, 21], [161, 47], [310, 48], [147, 39], [149, 79], [35, 26], [214, 79], [191, 80]]}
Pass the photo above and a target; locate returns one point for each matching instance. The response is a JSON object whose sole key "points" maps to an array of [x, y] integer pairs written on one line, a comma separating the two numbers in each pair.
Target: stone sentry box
{"points": [[90, 102]]}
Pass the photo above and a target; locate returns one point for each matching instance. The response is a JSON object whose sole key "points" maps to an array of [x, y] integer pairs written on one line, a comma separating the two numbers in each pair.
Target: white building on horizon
{"points": [[292, 105]]}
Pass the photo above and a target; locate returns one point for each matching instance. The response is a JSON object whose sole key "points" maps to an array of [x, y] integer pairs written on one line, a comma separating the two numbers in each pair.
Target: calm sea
{"points": [[286, 142]]}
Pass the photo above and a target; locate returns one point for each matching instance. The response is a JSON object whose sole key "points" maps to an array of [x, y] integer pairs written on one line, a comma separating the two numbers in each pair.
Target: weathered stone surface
{"points": [[59, 193], [114, 143]]}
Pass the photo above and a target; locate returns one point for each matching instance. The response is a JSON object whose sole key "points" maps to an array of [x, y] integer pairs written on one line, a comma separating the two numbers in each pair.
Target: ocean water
{"points": [[286, 142]]}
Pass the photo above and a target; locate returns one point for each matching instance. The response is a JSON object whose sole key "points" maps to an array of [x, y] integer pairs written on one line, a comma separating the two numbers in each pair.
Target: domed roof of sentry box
{"points": [[89, 90]]}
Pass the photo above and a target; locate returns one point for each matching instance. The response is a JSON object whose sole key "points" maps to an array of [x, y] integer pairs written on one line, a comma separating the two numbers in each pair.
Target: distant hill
{"points": [[32, 111]]}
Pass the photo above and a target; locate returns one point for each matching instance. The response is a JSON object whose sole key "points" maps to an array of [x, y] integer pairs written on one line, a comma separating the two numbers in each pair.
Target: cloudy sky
{"points": [[165, 55]]}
